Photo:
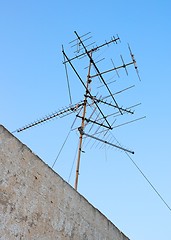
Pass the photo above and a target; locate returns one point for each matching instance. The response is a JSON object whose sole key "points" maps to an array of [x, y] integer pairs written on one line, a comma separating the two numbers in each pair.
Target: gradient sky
{"points": [[33, 84]]}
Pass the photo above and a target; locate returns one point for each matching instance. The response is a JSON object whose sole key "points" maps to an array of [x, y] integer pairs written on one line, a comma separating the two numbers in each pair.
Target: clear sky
{"points": [[33, 84]]}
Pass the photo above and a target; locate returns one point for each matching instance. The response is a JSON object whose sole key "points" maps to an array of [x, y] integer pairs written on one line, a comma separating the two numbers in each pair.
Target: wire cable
{"points": [[144, 176], [67, 77], [155, 190], [72, 164], [64, 142], [61, 149]]}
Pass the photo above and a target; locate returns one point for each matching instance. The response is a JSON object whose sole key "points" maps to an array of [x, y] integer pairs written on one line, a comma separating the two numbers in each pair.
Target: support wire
{"points": [[67, 77], [145, 177], [74, 160], [61, 149], [64, 142]]}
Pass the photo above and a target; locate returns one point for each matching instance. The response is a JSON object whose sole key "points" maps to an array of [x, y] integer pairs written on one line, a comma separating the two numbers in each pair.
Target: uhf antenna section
{"points": [[61, 113], [96, 114]]}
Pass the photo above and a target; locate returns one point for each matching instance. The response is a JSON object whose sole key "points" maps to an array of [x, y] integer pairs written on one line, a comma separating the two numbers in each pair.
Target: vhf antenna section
{"points": [[86, 89]]}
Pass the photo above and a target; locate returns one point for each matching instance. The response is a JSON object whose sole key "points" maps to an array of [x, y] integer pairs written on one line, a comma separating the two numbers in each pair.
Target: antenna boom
{"points": [[106, 142]]}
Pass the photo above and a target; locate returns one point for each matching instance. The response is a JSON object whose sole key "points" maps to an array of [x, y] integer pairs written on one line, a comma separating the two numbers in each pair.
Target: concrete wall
{"points": [[36, 203]]}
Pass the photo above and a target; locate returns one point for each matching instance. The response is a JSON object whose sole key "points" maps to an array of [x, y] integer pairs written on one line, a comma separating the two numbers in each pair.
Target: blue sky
{"points": [[33, 84]]}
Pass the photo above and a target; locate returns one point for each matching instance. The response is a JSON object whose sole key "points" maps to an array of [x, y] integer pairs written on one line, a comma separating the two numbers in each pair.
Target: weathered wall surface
{"points": [[36, 203]]}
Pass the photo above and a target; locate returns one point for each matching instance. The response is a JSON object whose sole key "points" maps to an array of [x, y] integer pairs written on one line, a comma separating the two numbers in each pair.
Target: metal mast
{"points": [[82, 125]]}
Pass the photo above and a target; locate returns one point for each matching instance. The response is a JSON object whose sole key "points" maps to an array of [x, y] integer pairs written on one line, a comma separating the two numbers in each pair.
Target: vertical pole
{"points": [[82, 127]]}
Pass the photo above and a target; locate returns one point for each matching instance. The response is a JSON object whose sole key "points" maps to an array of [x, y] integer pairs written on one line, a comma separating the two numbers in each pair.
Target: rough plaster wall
{"points": [[36, 203]]}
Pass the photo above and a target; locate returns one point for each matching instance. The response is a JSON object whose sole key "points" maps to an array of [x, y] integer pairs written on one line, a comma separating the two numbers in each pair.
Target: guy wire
{"points": [[67, 77], [63, 143], [61, 148], [144, 176], [72, 164]]}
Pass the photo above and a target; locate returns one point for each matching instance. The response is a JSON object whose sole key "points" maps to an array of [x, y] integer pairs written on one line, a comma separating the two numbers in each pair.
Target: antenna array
{"points": [[97, 113]]}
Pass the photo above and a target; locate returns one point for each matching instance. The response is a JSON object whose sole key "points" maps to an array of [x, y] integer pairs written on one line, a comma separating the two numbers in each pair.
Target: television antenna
{"points": [[94, 111]]}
